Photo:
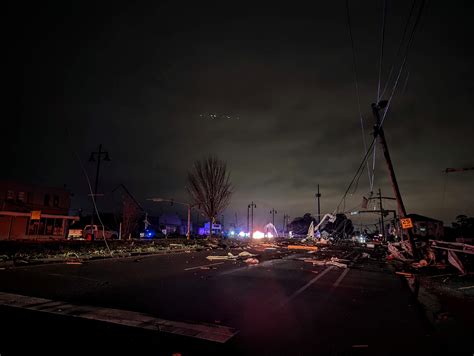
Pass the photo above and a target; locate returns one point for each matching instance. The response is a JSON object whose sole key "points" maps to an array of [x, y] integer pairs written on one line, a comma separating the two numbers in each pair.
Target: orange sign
{"points": [[35, 215], [406, 223]]}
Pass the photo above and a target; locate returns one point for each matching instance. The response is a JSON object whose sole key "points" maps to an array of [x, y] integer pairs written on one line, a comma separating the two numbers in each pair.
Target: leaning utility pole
{"points": [[92, 159], [382, 224], [273, 212], [378, 132], [318, 196]]}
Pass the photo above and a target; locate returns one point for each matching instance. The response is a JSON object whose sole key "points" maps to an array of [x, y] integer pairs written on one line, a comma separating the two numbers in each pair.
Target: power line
{"points": [[381, 47], [356, 82], [410, 41], [392, 67]]}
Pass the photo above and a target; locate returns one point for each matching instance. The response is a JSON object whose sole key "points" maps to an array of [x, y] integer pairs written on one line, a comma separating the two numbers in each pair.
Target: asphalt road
{"points": [[282, 306]]}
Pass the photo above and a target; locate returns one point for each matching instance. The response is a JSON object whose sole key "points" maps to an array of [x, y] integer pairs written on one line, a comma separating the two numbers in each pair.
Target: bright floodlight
{"points": [[258, 235]]}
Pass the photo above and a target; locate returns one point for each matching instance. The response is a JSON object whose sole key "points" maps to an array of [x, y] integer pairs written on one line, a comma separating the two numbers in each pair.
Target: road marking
{"points": [[209, 265], [210, 332], [302, 289], [341, 277]]}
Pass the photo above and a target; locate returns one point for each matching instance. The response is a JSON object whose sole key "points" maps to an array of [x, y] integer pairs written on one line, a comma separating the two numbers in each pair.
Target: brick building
{"points": [[32, 211]]}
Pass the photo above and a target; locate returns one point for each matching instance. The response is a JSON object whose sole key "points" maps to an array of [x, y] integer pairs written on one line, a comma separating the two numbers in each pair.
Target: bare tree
{"points": [[131, 216], [209, 187]]}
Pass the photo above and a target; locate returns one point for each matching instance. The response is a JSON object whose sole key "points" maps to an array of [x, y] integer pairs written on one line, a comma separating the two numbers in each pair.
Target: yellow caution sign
{"points": [[406, 223], [35, 215]]}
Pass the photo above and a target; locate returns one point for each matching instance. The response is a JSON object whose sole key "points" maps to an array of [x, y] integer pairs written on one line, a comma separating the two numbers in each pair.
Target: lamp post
{"points": [[318, 196], [188, 233], [101, 155]]}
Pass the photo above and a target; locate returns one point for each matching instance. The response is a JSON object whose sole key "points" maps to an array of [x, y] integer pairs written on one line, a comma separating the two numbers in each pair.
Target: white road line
{"points": [[210, 332], [209, 265], [341, 277], [302, 289]]}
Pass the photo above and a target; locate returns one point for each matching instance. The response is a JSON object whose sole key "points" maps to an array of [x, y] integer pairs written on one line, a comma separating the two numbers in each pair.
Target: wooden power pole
{"points": [[378, 132]]}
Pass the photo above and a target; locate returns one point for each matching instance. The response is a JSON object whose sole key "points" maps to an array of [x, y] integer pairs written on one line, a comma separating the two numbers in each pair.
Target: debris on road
{"points": [[252, 261], [246, 254], [302, 247], [395, 252], [217, 258], [337, 264], [230, 256], [333, 261], [405, 274], [422, 263]]}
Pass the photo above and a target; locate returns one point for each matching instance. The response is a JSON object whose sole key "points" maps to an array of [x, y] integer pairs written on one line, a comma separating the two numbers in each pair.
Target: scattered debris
{"points": [[245, 254], [252, 261], [406, 246], [370, 245], [365, 255], [230, 256], [422, 263], [337, 264], [405, 274], [334, 261], [395, 252], [302, 247], [455, 261], [177, 246], [216, 258]]}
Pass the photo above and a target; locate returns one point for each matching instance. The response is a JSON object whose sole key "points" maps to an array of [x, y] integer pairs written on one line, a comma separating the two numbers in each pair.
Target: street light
{"points": [[172, 201]]}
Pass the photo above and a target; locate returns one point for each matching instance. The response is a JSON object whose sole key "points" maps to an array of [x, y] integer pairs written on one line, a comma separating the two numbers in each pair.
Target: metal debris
{"points": [[252, 261]]}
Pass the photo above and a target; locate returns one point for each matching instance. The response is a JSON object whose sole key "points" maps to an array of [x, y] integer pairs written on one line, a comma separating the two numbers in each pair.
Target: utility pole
{"points": [[318, 196], [99, 155], [285, 223], [273, 212], [382, 224], [248, 219], [378, 132], [252, 206]]}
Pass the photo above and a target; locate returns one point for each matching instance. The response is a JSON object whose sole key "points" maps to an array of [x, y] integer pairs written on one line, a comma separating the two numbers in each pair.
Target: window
{"points": [[10, 195], [46, 200], [56, 201], [46, 226], [21, 197]]}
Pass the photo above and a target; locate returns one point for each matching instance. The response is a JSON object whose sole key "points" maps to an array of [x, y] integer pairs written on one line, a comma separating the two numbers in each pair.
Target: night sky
{"points": [[143, 79]]}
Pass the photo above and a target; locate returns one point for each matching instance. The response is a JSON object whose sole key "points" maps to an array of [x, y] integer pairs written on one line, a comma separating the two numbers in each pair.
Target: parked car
{"points": [[86, 233]]}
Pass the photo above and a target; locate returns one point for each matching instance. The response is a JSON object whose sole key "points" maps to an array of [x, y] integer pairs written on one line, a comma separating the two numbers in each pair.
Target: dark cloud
{"points": [[137, 78]]}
